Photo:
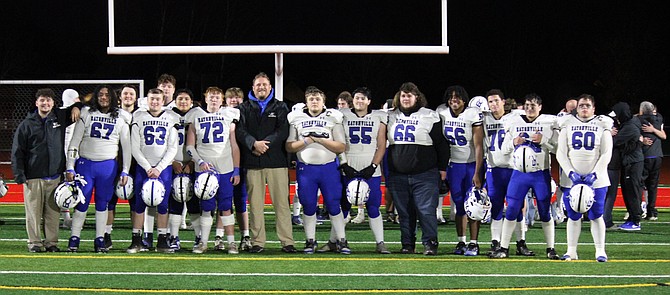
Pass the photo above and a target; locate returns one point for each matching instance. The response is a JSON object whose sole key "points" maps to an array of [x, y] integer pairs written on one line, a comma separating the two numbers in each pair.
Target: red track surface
{"points": [[15, 195]]}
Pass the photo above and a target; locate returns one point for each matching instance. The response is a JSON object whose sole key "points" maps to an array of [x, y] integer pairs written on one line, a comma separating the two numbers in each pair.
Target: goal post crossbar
{"points": [[112, 49]]}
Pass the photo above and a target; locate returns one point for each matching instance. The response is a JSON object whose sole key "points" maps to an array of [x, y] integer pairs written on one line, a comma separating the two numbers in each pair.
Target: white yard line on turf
{"points": [[219, 274]]}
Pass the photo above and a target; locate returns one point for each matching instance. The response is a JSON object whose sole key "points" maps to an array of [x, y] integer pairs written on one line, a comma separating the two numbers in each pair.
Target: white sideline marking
{"points": [[386, 242], [223, 274]]}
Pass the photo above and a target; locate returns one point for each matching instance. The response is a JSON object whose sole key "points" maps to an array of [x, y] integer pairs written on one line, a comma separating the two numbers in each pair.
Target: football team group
{"points": [[172, 157]]}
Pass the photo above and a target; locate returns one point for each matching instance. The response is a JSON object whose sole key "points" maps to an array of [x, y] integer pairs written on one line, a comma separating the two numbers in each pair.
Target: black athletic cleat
{"points": [[551, 254], [522, 249], [500, 253]]}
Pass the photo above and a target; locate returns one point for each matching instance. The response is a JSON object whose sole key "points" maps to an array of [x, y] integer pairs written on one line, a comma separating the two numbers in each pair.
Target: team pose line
{"points": [[172, 157]]}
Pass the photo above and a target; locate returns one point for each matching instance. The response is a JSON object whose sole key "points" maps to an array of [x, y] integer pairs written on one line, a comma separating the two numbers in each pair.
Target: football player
{"points": [[233, 98], [463, 129], [531, 137], [365, 133], [182, 165], [499, 170], [128, 102], [212, 145], [317, 136], [584, 150], [417, 151], [94, 147], [155, 141]]}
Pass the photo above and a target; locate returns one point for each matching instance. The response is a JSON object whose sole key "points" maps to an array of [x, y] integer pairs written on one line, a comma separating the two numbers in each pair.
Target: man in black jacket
{"points": [[627, 140], [38, 162], [261, 135]]}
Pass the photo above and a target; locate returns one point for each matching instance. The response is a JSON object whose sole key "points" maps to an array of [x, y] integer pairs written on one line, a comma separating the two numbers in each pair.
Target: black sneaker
{"points": [[430, 248], [135, 245], [343, 247], [52, 249], [551, 254], [35, 249], [460, 248], [495, 245], [408, 249], [99, 245], [163, 246], [73, 244], [148, 242], [245, 243], [328, 247], [289, 249], [500, 253], [472, 249], [310, 246], [256, 249], [522, 249], [108, 240]]}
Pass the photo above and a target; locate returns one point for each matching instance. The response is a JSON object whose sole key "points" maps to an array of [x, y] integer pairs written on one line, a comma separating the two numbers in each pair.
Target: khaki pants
{"points": [[277, 180], [38, 199]]}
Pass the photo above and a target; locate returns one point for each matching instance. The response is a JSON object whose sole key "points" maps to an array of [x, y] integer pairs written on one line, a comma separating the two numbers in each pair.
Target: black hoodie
{"points": [[628, 137]]}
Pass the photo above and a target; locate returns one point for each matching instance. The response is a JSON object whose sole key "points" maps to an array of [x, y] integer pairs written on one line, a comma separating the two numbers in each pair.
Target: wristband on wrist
{"points": [[304, 140]]}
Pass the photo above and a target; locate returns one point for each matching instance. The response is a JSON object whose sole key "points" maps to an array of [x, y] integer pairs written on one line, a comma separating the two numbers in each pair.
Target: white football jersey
{"points": [[361, 137], [154, 139], [412, 129], [494, 135], [516, 126], [458, 131], [328, 122], [585, 147], [182, 129], [213, 136], [97, 136]]}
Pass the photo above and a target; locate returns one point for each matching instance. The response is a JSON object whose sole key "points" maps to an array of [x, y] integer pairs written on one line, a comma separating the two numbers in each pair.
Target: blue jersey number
{"points": [[154, 135], [216, 129], [364, 138], [497, 137], [586, 140], [404, 133], [455, 135], [180, 132], [99, 130]]}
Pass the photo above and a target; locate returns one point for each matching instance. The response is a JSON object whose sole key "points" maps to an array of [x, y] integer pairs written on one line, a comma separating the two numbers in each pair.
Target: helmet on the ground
{"points": [[206, 185], [358, 191], [153, 192], [124, 192], [478, 205], [181, 188], [581, 198]]}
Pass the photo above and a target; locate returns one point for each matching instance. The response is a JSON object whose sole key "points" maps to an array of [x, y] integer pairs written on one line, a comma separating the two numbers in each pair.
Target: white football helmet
{"points": [[581, 198], [3, 188], [182, 188], [124, 192], [479, 102], [297, 106], [206, 185], [525, 159], [557, 212], [358, 191], [67, 195], [153, 192], [478, 205]]}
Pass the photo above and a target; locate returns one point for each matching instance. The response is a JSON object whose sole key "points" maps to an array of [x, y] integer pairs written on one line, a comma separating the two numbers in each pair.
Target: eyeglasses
{"points": [[585, 106]]}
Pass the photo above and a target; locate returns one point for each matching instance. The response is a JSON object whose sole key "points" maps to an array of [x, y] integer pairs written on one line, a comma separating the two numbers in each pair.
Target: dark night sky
{"points": [[616, 50]]}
